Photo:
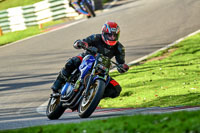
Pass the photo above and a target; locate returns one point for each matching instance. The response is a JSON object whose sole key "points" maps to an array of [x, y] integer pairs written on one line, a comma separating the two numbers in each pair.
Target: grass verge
{"points": [[18, 35], [164, 123], [168, 81]]}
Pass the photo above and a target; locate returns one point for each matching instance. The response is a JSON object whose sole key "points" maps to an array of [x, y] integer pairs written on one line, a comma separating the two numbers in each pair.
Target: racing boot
{"points": [[65, 73], [57, 85], [60, 81]]}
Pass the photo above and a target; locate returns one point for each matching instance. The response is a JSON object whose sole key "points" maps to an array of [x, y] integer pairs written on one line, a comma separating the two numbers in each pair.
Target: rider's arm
{"points": [[89, 41], [120, 53], [120, 58]]}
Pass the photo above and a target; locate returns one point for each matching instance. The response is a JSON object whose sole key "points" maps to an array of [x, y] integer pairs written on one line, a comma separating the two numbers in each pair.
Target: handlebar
{"points": [[92, 52]]}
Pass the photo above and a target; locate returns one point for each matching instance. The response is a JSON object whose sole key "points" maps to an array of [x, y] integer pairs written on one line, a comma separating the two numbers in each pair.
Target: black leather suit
{"points": [[113, 89]]}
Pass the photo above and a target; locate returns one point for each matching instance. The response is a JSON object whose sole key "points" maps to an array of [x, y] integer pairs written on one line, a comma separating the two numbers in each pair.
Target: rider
{"points": [[107, 44]]}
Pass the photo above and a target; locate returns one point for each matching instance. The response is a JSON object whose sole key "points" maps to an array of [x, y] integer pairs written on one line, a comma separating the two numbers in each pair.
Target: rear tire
{"points": [[54, 108], [89, 10], [89, 104]]}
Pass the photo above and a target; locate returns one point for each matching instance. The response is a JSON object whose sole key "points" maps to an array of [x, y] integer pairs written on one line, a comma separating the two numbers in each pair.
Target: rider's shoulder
{"points": [[120, 47], [96, 36]]}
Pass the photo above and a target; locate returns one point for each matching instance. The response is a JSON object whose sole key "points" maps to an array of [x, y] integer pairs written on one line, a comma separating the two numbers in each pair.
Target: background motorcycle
{"points": [[85, 7], [85, 87]]}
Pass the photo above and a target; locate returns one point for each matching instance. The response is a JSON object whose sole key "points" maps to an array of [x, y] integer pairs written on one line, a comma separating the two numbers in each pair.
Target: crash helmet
{"points": [[110, 33]]}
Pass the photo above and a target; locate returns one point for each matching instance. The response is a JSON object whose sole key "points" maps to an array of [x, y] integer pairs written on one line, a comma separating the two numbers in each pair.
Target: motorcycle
{"points": [[84, 88], [85, 7]]}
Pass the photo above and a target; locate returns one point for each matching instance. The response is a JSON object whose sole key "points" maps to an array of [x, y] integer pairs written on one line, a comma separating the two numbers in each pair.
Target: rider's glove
{"points": [[78, 44], [123, 68]]}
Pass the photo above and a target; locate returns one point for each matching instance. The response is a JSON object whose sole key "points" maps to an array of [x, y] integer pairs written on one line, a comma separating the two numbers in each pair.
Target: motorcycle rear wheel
{"points": [[89, 103], [54, 108]]}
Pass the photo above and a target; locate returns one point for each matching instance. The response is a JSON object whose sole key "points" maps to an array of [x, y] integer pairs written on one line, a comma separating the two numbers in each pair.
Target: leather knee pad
{"points": [[118, 90], [112, 91], [73, 63]]}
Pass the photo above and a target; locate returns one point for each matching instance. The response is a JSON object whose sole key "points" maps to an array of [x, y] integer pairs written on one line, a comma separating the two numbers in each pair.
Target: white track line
{"points": [[59, 28], [164, 48]]}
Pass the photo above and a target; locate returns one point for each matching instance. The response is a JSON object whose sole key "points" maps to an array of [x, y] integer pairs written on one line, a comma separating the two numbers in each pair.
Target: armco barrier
{"points": [[19, 18]]}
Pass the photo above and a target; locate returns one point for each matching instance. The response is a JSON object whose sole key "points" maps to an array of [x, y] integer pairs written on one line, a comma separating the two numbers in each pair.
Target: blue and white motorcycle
{"points": [[85, 7], [85, 87]]}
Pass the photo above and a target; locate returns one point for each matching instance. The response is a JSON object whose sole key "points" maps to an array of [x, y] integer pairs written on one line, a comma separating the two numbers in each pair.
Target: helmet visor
{"points": [[111, 37]]}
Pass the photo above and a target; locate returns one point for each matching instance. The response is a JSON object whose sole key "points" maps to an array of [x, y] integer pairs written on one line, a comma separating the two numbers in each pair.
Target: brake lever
{"points": [[118, 66]]}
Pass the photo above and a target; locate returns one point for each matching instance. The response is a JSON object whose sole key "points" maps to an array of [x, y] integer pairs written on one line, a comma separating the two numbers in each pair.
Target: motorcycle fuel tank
{"points": [[86, 65]]}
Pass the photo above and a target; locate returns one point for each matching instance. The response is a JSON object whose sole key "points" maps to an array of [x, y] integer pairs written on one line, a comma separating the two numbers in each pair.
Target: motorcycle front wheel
{"points": [[89, 9], [89, 103], [54, 108]]}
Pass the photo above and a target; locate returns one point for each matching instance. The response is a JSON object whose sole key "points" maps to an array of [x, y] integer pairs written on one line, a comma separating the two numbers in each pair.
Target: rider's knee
{"points": [[118, 90], [73, 62]]}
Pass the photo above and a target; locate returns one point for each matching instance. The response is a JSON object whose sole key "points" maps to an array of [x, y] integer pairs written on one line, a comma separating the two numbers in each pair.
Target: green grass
{"points": [[179, 122], [5, 4], [52, 23], [105, 1], [172, 81], [18, 35]]}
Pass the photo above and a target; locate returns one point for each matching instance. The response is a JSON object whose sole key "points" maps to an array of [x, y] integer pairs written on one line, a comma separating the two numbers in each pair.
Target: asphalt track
{"points": [[28, 68]]}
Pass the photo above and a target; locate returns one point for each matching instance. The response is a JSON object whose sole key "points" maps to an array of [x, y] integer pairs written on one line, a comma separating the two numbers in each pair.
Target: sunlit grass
{"points": [[179, 122], [172, 81], [18, 35]]}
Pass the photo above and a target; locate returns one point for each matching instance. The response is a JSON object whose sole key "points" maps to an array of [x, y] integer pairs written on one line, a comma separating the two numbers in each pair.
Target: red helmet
{"points": [[110, 33]]}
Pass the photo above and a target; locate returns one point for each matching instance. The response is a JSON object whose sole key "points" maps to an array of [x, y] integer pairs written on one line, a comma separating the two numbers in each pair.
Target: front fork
{"points": [[91, 77], [89, 83]]}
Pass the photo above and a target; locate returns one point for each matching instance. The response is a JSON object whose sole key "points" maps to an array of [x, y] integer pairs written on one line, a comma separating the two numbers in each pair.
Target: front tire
{"points": [[54, 108], [89, 9], [89, 103]]}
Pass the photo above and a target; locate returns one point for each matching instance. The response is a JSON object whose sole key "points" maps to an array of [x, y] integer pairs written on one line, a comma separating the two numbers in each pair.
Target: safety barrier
{"points": [[19, 18]]}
